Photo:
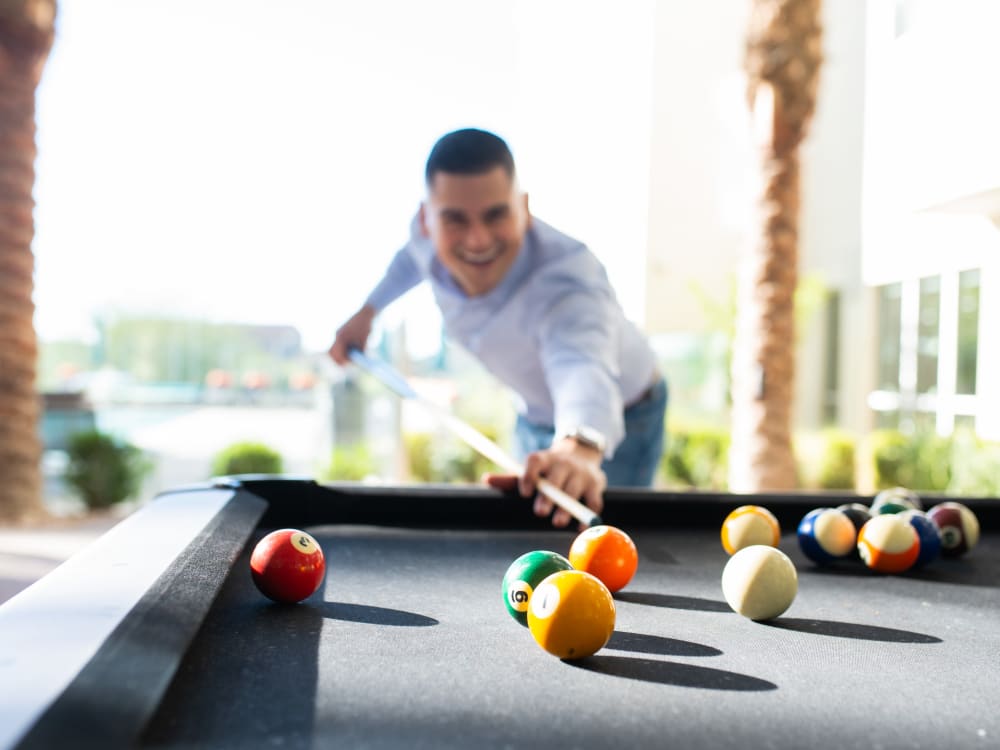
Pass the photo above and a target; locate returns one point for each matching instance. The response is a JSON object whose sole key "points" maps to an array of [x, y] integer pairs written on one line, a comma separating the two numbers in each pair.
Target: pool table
{"points": [[155, 636]]}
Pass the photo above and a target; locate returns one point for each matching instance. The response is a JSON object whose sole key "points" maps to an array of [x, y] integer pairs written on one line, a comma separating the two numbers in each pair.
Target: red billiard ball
{"points": [[287, 565]]}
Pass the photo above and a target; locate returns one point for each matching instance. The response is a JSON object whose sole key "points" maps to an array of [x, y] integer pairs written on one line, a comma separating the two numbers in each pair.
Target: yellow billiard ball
{"points": [[571, 614], [747, 525]]}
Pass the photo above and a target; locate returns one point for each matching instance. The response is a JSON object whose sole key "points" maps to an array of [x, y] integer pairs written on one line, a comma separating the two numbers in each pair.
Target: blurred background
{"points": [[220, 183]]}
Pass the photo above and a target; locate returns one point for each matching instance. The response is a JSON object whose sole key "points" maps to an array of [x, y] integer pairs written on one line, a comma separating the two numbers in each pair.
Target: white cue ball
{"points": [[759, 582]]}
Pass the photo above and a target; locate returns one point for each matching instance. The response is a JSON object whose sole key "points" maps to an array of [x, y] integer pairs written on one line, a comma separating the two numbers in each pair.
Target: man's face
{"points": [[477, 225]]}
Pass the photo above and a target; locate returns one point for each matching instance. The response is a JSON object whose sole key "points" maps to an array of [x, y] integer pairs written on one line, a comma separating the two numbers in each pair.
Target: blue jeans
{"points": [[636, 459]]}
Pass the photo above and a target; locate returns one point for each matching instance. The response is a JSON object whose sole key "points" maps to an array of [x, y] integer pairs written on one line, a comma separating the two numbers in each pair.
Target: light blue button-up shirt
{"points": [[552, 330]]}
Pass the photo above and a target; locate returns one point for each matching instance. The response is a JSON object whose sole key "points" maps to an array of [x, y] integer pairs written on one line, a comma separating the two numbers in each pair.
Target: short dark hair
{"points": [[469, 151]]}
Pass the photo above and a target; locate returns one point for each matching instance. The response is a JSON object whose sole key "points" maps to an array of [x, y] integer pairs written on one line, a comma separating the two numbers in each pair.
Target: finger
{"points": [[337, 354], [534, 466], [575, 485], [561, 518], [506, 482], [543, 506], [560, 474], [593, 498]]}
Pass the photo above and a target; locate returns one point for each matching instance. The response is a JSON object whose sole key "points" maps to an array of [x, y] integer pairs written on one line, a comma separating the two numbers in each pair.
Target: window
{"points": [[831, 377], [968, 332], [928, 352], [889, 317], [928, 327]]}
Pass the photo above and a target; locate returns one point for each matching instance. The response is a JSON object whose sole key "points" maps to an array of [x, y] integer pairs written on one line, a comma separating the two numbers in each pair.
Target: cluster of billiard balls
{"points": [[893, 535], [566, 602], [287, 566]]}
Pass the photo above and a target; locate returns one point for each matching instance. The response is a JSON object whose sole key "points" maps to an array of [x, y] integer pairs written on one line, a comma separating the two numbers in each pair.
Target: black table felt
{"points": [[408, 644]]}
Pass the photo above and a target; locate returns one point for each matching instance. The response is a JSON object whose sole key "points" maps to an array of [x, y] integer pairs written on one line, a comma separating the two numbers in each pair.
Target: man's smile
{"points": [[479, 257]]}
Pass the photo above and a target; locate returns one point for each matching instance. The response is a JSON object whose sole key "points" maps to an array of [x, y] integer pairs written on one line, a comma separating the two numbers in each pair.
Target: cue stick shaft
{"points": [[476, 440]]}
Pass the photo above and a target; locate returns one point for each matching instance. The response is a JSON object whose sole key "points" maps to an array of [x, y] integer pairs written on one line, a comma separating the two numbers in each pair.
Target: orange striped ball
{"points": [[888, 544]]}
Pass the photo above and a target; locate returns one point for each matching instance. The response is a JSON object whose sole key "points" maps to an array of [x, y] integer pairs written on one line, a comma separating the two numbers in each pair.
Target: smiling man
{"points": [[536, 308]]}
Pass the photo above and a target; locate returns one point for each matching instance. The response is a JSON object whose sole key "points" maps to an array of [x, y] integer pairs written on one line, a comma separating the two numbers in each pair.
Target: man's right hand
{"points": [[353, 334]]}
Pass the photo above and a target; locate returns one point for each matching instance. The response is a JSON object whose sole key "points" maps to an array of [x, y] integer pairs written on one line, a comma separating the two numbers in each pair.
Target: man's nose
{"points": [[478, 236]]}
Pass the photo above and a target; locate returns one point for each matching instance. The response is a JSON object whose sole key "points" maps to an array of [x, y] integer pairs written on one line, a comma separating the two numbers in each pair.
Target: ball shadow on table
{"points": [[672, 601], [371, 615], [975, 569], [856, 631], [672, 673], [643, 643]]}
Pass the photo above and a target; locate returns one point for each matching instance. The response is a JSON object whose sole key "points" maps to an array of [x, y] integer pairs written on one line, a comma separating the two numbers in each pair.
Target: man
{"points": [[535, 307]]}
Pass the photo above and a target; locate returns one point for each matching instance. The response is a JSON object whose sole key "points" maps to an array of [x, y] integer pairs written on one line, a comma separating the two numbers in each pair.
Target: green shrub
{"points": [[697, 457], [445, 459], [418, 455], [453, 461], [918, 462], [247, 458], [350, 463], [104, 469], [975, 466], [836, 462]]}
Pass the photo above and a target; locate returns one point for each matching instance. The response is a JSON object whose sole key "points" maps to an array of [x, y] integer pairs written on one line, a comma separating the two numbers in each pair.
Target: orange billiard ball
{"points": [[607, 553], [287, 566]]}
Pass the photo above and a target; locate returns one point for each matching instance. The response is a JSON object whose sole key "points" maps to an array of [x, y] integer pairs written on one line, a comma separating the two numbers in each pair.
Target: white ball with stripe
{"points": [[760, 582]]}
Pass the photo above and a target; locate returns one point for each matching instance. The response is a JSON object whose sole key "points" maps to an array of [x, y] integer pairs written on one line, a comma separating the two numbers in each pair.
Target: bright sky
{"points": [[253, 161]]}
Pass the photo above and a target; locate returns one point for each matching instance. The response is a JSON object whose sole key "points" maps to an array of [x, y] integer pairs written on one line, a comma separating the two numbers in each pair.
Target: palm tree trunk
{"points": [[783, 61], [26, 34]]}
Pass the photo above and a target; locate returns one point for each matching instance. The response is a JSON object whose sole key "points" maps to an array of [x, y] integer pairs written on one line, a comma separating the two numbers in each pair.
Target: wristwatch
{"points": [[589, 437]]}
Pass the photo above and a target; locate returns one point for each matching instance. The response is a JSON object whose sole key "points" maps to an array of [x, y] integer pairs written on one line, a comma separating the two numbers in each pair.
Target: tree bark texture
{"points": [[784, 55], [26, 34]]}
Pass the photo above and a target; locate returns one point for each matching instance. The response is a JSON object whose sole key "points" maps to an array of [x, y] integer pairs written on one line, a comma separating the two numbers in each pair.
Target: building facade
{"points": [[931, 235], [900, 225]]}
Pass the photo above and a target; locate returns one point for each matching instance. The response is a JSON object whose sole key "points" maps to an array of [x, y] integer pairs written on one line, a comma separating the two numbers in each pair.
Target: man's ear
{"points": [[423, 220], [526, 209]]}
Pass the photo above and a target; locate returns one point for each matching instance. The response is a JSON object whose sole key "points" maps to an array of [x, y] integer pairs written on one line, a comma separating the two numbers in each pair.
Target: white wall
{"points": [[932, 119], [932, 163], [830, 228], [699, 165]]}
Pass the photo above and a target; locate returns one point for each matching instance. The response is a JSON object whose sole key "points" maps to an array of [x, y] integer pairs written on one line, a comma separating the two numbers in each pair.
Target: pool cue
{"points": [[395, 382]]}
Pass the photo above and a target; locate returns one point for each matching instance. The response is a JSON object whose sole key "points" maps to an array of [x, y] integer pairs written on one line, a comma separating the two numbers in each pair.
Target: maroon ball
{"points": [[958, 525]]}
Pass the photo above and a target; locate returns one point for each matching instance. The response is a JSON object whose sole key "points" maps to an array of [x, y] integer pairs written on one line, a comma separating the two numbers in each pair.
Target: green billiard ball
{"points": [[895, 500], [523, 575]]}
